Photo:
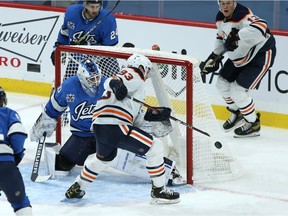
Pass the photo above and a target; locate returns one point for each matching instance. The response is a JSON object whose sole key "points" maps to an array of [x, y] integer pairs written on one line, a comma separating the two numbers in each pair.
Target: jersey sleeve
{"points": [[109, 31], [63, 35], [16, 133]]}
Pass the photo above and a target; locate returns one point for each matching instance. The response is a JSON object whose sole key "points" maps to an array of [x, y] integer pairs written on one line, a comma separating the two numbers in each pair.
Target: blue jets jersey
{"points": [[12, 134], [76, 25], [81, 105]]}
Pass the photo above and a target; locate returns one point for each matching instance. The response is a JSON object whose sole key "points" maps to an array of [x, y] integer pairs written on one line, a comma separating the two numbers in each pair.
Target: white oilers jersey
{"points": [[253, 34], [111, 111]]}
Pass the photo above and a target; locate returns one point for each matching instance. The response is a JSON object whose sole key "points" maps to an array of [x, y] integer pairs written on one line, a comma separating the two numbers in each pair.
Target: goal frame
{"points": [[189, 92]]}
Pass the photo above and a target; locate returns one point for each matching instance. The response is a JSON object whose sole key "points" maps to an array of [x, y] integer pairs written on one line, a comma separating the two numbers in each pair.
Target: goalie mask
{"points": [[3, 98], [89, 76], [137, 60]]}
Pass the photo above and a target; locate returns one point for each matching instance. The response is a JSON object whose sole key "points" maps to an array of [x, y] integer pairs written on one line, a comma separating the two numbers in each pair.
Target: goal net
{"points": [[176, 83]]}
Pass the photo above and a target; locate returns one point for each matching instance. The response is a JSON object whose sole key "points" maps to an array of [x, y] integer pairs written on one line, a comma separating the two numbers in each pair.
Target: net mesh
{"points": [[167, 87]]}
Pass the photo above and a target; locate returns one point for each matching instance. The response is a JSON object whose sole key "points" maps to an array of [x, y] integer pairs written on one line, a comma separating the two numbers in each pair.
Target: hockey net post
{"points": [[177, 84]]}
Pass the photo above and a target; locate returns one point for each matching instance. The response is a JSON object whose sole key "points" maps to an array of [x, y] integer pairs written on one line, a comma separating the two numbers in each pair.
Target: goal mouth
{"points": [[176, 83]]}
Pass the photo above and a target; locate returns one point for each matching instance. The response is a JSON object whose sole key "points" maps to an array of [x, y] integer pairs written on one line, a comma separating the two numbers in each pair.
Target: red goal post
{"points": [[172, 85]]}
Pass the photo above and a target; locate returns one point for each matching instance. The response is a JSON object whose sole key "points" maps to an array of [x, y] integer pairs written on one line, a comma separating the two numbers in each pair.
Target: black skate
{"points": [[249, 129], [74, 191], [236, 119], [161, 195], [175, 178]]}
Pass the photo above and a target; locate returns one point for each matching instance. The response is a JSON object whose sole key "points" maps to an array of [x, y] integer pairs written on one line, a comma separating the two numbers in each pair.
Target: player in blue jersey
{"points": [[80, 94], [87, 24], [12, 138], [251, 51]]}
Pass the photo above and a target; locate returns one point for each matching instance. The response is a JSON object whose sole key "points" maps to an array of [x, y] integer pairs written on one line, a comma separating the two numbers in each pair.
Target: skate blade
{"points": [[159, 201], [238, 124], [255, 134]]}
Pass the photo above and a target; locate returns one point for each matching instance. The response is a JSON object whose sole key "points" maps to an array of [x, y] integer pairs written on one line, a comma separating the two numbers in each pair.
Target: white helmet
{"points": [[137, 60], [89, 76]]}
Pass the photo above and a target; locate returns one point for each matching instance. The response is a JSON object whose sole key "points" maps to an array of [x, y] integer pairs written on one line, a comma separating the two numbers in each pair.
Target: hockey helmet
{"points": [[94, 1], [137, 60], [89, 76], [3, 98]]}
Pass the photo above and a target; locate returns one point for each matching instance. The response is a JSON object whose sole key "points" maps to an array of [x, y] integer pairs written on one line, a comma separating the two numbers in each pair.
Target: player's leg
{"points": [[227, 75], [11, 183]]}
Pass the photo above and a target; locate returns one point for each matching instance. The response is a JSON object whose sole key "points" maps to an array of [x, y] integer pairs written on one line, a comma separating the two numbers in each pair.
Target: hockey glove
{"points": [[231, 42], [52, 56], [211, 64], [119, 89], [18, 157], [43, 124], [160, 114], [82, 42]]}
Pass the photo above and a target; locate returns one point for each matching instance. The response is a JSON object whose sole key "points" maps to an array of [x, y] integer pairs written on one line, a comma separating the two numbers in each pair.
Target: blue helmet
{"points": [[89, 76]]}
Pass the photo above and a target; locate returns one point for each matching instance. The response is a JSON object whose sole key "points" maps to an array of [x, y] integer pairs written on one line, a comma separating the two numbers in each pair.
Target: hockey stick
{"points": [[217, 143], [34, 175], [98, 23]]}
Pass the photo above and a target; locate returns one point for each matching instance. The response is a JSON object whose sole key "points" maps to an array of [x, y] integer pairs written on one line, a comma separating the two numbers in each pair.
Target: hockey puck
{"points": [[218, 145]]}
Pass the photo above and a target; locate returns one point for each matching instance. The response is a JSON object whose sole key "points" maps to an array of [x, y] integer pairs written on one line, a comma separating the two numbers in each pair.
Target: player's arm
{"points": [[17, 136], [110, 33]]}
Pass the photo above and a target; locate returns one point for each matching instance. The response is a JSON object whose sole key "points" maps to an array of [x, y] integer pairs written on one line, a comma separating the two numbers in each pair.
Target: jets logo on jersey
{"points": [[82, 111], [70, 98], [89, 38]]}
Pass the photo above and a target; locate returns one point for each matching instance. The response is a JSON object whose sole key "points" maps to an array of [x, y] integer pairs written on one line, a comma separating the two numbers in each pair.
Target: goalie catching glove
{"points": [[43, 124], [211, 64]]}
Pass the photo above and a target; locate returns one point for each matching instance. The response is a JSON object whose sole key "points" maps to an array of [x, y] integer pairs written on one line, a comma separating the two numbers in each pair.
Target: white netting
{"points": [[167, 87]]}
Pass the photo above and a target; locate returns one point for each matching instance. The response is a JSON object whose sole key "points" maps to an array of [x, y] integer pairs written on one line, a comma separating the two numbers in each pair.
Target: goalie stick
{"points": [[34, 175], [217, 144], [97, 24]]}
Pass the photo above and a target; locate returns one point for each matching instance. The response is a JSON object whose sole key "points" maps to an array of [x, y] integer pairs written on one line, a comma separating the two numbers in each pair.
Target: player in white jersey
{"points": [[114, 125], [251, 50]]}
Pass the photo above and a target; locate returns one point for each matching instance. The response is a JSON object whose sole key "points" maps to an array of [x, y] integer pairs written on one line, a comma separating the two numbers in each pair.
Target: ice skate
{"points": [[74, 191], [236, 119], [175, 178], [249, 129], [161, 195]]}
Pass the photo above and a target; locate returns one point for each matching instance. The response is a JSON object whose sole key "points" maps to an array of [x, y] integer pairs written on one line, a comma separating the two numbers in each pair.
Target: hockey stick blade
{"points": [[217, 144], [37, 178]]}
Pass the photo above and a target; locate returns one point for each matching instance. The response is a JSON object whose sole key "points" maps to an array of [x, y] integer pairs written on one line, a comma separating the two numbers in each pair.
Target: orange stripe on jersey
{"points": [[156, 171], [245, 59], [264, 70], [85, 174], [248, 109], [136, 135], [113, 112]]}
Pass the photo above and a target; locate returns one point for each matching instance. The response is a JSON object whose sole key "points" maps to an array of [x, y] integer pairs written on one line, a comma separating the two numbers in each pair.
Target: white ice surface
{"points": [[263, 190]]}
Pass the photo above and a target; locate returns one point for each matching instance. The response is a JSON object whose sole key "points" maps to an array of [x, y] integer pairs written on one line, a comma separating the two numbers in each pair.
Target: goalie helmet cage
{"points": [[176, 83]]}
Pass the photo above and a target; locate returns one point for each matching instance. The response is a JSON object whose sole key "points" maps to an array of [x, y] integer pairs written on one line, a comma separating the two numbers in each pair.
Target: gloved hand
{"points": [[159, 114], [211, 64], [82, 42], [231, 42], [18, 157], [119, 89]]}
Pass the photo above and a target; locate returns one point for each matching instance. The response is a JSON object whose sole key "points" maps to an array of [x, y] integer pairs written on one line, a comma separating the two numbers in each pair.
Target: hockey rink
{"points": [[262, 190]]}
